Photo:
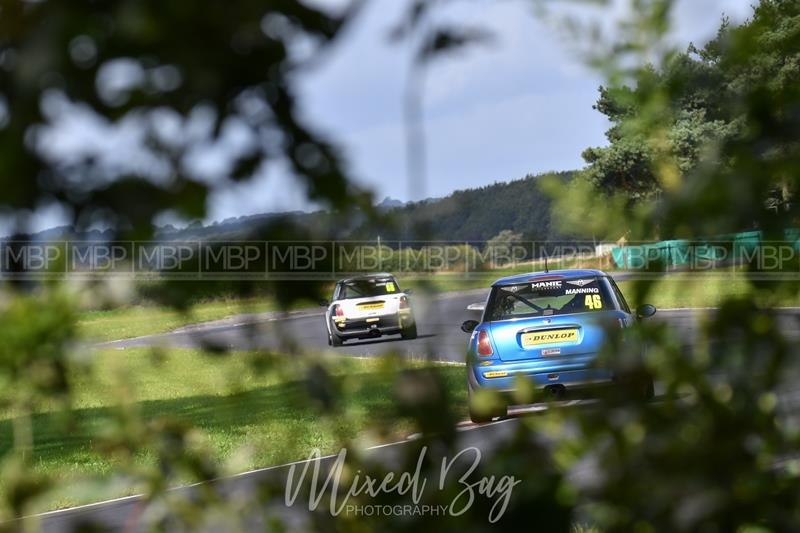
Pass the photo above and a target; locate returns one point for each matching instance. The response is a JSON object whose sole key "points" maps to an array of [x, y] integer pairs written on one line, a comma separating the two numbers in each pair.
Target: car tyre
{"points": [[477, 418], [649, 390], [334, 340], [640, 390], [409, 332], [482, 417]]}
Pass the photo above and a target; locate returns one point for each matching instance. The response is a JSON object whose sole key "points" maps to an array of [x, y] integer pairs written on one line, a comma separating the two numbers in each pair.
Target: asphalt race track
{"points": [[440, 338], [438, 323]]}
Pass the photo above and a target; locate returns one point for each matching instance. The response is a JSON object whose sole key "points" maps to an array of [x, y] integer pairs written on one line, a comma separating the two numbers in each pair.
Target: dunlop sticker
{"points": [[378, 305], [548, 337]]}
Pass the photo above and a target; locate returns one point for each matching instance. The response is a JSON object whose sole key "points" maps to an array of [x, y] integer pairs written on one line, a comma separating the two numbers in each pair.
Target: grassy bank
{"points": [[692, 290], [137, 320], [248, 419]]}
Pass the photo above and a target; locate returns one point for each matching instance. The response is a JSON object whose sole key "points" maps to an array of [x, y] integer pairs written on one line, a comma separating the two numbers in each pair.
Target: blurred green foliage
{"points": [[230, 61], [702, 142], [709, 130]]}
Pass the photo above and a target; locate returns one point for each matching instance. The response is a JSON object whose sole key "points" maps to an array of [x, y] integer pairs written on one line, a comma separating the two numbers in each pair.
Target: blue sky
{"points": [[521, 104]]}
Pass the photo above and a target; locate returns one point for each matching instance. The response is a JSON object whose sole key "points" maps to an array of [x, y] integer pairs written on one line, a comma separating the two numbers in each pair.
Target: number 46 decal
{"points": [[593, 301]]}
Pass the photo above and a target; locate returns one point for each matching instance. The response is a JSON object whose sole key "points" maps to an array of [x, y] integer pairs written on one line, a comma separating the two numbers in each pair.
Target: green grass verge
{"points": [[693, 290], [248, 418], [135, 321]]}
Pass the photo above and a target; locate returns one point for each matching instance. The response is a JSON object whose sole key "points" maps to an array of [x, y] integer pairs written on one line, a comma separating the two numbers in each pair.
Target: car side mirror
{"points": [[468, 326], [409, 291], [324, 303], [646, 310]]}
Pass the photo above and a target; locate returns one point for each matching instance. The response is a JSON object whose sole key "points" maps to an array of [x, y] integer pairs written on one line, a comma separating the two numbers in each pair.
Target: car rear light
{"points": [[484, 345], [403, 302], [339, 311], [546, 278]]}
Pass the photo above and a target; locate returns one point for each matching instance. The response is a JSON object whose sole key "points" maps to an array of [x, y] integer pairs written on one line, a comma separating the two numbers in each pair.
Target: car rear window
{"points": [[367, 288], [549, 297]]}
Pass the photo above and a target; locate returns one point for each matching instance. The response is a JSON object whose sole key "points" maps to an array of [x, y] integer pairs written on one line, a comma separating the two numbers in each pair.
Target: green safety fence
{"points": [[741, 246]]}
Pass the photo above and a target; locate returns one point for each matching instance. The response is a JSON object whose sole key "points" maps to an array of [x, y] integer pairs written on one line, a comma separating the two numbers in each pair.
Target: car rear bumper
{"points": [[374, 326], [575, 372]]}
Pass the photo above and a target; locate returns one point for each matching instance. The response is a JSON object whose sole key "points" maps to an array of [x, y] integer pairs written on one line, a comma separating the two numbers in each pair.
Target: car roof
{"points": [[551, 274], [367, 276]]}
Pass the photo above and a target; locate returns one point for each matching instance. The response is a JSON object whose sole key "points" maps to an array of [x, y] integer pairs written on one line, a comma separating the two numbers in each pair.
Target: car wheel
{"points": [[478, 418], [640, 390], [649, 390], [481, 416], [334, 340], [409, 332]]}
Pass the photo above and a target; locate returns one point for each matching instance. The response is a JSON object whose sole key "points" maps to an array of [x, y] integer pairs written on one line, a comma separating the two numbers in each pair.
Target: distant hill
{"points": [[470, 214], [390, 203], [473, 214]]}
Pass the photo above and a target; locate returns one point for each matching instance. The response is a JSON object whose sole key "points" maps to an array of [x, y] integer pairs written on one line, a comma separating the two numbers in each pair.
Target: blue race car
{"points": [[548, 327]]}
